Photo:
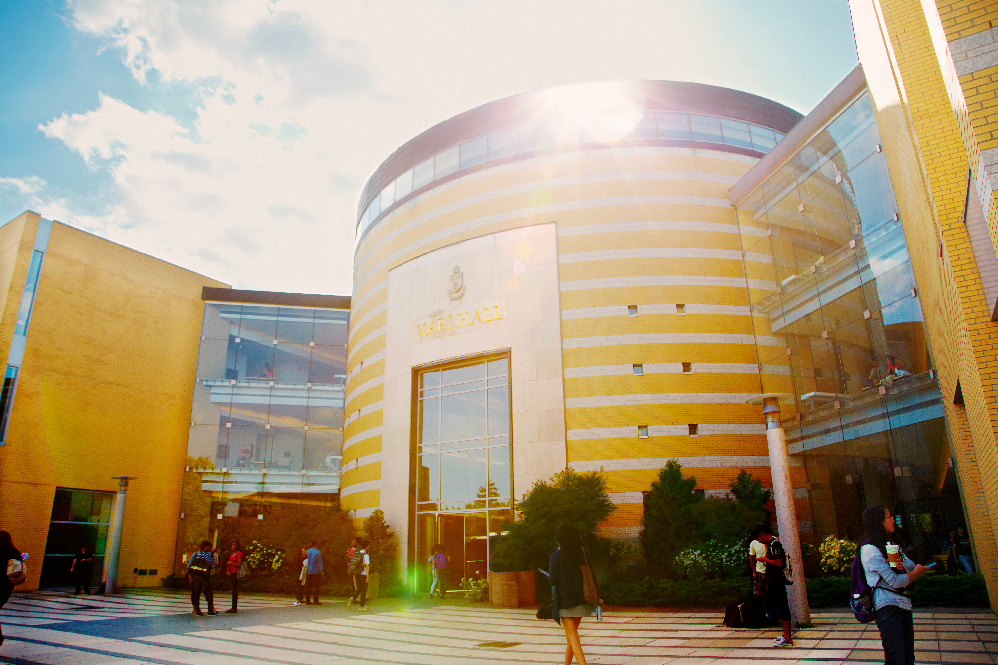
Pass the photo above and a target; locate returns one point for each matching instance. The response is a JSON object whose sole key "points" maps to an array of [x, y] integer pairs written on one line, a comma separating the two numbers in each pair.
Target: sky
{"points": [[233, 137]]}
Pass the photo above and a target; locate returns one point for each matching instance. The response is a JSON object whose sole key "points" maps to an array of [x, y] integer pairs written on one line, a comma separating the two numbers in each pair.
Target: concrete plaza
{"points": [[157, 627]]}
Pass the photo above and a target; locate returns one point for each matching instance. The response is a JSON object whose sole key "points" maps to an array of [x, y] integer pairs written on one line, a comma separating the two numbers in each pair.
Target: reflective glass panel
{"points": [[464, 476], [445, 163], [388, 196], [736, 133], [294, 325], [403, 185], [705, 128], [422, 174], [673, 126], [763, 138], [330, 327], [503, 143], [463, 416], [258, 323], [323, 449], [474, 151]]}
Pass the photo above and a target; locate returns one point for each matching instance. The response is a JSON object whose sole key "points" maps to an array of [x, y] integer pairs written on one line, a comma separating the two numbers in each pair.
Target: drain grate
{"points": [[498, 645]]}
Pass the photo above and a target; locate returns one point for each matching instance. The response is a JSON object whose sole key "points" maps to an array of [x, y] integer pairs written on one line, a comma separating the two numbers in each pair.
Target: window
{"points": [[642, 431], [445, 163], [680, 309], [706, 128], [422, 174], [632, 310], [403, 185], [503, 143], [474, 151], [694, 429], [639, 369], [673, 126], [7, 399], [687, 368], [28, 296], [736, 133], [388, 196], [763, 139]]}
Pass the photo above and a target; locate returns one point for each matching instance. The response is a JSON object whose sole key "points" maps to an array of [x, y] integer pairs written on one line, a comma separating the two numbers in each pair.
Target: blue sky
{"points": [[233, 137]]}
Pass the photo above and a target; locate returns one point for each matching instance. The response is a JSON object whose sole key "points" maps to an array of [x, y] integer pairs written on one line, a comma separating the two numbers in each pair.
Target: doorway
{"points": [[79, 517]]}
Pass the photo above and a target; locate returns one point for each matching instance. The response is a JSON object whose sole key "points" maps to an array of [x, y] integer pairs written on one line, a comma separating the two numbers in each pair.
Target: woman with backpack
{"points": [[775, 594], [438, 561], [887, 578], [568, 589]]}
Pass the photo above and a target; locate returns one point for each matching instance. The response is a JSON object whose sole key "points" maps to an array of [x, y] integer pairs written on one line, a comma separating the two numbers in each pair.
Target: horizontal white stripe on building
{"points": [[670, 338], [361, 461], [360, 487], [367, 385], [653, 225], [366, 362], [363, 513], [363, 411], [662, 253], [703, 462], [666, 280], [369, 433], [543, 213], [661, 368], [371, 336], [661, 308], [631, 431], [626, 497], [358, 323], [657, 398]]}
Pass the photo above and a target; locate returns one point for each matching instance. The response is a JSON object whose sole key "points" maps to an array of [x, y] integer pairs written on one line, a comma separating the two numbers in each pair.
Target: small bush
{"points": [[478, 590], [264, 559], [674, 593], [927, 591], [712, 560], [836, 555]]}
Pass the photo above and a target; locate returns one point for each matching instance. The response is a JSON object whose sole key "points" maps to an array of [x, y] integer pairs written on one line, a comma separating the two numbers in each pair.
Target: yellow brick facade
{"points": [[104, 389]]}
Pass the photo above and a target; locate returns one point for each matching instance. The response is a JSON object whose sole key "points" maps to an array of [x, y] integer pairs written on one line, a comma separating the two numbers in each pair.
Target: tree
{"points": [[383, 546], [578, 498], [748, 492], [668, 519]]}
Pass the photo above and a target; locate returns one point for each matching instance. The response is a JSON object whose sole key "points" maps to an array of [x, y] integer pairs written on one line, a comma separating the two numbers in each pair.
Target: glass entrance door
{"points": [[79, 517], [464, 465]]}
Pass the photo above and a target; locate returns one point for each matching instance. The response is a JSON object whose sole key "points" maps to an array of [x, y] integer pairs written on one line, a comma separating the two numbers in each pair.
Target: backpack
{"points": [[440, 561], [776, 550], [860, 592], [356, 566]]}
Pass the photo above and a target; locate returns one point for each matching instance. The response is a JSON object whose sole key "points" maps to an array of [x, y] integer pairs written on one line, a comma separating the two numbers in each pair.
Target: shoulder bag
{"points": [[17, 571], [589, 589]]}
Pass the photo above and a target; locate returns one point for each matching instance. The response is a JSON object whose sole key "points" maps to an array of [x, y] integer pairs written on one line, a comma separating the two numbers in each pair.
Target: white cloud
{"points": [[299, 100], [29, 185]]}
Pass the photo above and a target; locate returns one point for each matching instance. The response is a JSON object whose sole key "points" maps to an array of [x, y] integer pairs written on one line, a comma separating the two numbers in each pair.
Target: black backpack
{"points": [[356, 566]]}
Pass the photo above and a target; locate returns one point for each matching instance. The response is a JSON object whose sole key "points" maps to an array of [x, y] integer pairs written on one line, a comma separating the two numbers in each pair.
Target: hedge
{"points": [[675, 593], [930, 591]]}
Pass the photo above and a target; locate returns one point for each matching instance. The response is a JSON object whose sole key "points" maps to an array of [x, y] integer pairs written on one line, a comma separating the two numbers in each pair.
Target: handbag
{"points": [[589, 590], [17, 571], [243, 571]]}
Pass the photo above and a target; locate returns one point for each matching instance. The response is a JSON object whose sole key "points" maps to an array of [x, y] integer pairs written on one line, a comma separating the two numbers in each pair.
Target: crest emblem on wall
{"points": [[456, 284]]}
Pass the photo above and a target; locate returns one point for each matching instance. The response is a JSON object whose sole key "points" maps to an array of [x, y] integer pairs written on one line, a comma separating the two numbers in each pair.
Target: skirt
{"points": [[577, 611]]}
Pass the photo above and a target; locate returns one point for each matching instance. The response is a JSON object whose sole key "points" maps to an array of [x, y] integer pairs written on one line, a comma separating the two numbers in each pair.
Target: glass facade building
{"points": [[866, 421], [266, 432]]}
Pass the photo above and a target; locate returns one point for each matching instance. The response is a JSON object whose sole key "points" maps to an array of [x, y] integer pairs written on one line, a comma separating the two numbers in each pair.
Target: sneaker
{"points": [[350, 602], [212, 613], [297, 602], [362, 608], [231, 611], [782, 642], [198, 613]]}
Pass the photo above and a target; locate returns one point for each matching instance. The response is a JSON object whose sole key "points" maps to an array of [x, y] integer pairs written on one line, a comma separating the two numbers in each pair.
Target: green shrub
{"points": [[478, 590], [668, 519], [712, 560], [836, 555], [927, 591], [263, 559], [674, 593], [579, 498]]}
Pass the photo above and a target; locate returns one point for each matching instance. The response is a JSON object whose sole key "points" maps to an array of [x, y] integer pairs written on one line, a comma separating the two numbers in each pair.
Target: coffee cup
{"points": [[894, 556]]}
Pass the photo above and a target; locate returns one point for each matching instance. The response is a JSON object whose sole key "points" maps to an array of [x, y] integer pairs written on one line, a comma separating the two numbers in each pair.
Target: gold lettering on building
{"points": [[464, 320]]}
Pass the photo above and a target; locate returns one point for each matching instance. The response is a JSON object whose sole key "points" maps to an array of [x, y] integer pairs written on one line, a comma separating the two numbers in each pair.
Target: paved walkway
{"points": [[128, 628]]}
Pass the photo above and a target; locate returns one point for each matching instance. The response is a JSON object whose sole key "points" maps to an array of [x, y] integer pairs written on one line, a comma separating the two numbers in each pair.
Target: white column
{"points": [[114, 544], [783, 496]]}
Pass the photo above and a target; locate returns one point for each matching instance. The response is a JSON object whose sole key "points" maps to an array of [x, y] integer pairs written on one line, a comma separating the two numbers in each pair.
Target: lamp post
{"points": [[783, 496], [114, 546]]}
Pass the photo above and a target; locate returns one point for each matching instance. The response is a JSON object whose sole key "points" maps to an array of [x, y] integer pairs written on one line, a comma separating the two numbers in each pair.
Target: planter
{"points": [[512, 589]]}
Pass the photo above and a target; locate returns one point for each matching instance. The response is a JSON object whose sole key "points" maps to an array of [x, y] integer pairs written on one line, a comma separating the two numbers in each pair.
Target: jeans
{"points": [[312, 587], [202, 584], [82, 577], [360, 597], [897, 634], [235, 589], [436, 578], [966, 563]]}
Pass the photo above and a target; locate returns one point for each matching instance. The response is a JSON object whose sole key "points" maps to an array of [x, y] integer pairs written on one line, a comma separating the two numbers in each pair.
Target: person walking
{"points": [[888, 571], [199, 568], [232, 570], [757, 551], [963, 550], [82, 566], [314, 574], [775, 594], [350, 553], [568, 601], [438, 562], [7, 552], [302, 577], [360, 568]]}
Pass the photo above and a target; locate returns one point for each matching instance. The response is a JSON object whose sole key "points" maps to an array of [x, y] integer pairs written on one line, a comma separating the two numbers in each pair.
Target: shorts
{"points": [[577, 611]]}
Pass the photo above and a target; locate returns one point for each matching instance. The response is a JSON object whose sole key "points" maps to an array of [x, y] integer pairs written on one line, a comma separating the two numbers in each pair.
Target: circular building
{"points": [[554, 280]]}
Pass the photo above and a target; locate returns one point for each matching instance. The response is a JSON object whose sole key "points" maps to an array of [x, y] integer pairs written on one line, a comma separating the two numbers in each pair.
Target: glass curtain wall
{"points": [[464, 471], [266, 433], [840, 327]]}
